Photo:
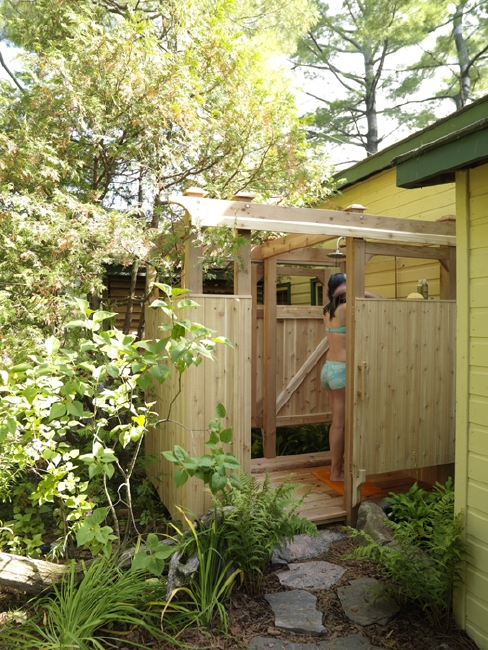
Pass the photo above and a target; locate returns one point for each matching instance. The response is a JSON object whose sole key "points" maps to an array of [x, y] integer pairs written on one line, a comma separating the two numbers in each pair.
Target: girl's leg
{"points": [[336, 434]]}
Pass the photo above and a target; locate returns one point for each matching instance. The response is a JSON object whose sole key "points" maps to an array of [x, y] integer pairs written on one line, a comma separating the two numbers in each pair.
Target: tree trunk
{"points": [[370, 99], [30, 575], [461, 98], [130, 301]]}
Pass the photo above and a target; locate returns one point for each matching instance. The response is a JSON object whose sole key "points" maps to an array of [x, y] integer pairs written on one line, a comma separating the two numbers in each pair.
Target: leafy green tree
{"points": [[457, 62], [119, 104], [351, 46]]}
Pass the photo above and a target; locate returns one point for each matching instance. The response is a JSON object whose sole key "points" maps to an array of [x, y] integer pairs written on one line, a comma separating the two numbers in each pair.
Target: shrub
{"points": [[423, 566], [260, 517]]}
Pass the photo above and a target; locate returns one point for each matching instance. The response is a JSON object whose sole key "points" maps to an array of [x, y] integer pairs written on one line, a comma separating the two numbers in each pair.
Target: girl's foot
{"points": [[339, 477]]}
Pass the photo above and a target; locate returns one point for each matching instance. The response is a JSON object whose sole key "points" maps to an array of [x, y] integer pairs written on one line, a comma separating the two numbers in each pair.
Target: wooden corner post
{"points": [[355, 261], [191, 276], [269, 374], [448, 268], [242, 275]]}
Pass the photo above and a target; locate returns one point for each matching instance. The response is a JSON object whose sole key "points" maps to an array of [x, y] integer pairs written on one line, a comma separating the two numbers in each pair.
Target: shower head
{"points": [[337, 254]]}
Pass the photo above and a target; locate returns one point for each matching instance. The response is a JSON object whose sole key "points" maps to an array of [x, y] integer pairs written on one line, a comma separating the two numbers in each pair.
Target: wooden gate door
{"points": [[404, 386]]}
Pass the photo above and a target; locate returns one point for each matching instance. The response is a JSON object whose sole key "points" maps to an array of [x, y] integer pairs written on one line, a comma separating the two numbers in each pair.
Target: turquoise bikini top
{"points": [[337, 330]]}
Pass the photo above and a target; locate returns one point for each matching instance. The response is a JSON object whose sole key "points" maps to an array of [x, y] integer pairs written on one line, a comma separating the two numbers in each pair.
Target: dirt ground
{"points": [[250, 617]]}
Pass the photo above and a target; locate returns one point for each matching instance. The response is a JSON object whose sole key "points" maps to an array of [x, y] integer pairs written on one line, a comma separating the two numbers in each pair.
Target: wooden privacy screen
{"points": [[404, 404], [226, 380], [301, 347]]}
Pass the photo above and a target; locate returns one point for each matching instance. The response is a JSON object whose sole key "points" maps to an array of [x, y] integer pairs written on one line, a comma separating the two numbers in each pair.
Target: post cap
{"points": [[243, 196], [355, 207], [194, 191]]}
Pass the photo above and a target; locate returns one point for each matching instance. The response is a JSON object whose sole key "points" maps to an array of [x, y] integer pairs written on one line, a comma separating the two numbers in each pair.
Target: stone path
{"points": [[296, 611]]}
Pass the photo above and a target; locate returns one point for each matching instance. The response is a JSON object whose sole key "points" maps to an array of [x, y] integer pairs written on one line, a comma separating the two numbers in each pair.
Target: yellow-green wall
{"points": [[380, 196], [471, 604]]}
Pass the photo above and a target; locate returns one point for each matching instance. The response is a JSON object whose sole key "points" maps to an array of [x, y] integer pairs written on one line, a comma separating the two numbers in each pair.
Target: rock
{"points": [[295, 611], [352, 642], [305, 547], [373, 521], [311, 575], [179, 574], [365, 603], [264, 643]]}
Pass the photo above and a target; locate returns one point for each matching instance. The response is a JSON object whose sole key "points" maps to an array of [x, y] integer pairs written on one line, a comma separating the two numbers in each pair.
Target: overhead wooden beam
{"points": [[330, 223], [399, 250], [315, 256], [293, 270], [286, 244]]}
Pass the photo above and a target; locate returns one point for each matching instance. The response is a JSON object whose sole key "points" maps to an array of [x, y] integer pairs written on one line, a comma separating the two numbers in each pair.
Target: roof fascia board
{"points": [[432, 164], [383, 160]]}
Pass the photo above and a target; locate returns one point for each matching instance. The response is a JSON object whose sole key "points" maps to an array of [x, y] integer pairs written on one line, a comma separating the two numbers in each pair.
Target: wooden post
{"points": [[269, 374], [191, 276], [448, 271], [242, 276], [254, 341], [355, 260]]}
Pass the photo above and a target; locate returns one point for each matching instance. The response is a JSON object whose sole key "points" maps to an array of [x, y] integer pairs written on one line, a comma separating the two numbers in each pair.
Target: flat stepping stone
{"points": [[268, 643], [295, 611], [305, 547], [352, 642], [311, 575], [364, 603]]}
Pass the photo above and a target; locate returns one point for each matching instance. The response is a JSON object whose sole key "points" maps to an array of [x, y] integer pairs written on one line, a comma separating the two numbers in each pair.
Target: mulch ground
{"points": [[250, 617]]}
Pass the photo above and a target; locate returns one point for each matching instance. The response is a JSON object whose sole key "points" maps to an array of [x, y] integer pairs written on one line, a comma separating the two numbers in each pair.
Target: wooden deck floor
{"points": [[323, 505]]}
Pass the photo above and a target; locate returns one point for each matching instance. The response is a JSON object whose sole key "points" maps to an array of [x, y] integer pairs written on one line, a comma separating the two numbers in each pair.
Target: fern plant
{"points": [[260, 517], [423, 566]]}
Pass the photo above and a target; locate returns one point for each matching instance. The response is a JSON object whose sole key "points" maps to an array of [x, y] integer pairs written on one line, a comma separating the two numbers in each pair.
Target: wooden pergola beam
{"points": [[309, 221], [399, 250], [311, 256]]}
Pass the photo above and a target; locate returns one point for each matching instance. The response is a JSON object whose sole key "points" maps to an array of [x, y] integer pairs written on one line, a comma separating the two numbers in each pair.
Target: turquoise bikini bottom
{"points": [[333, 375]]}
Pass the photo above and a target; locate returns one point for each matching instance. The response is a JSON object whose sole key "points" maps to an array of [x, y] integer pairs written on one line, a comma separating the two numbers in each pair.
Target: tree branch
{"points": [[11, 75]]}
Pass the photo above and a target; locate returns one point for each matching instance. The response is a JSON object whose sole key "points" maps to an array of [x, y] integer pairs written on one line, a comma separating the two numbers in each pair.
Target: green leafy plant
{"points": [[62, 402], [210, 468], [107, 603], [259, 518], [422, 567], [202, 601], [151, 559]]}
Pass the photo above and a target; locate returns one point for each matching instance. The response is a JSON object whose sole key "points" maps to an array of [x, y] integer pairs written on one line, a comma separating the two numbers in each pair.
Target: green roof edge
{"points": [[383, 159]]}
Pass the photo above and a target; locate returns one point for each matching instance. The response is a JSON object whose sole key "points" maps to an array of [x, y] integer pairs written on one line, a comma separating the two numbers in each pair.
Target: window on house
{"points": [[316, 292]]}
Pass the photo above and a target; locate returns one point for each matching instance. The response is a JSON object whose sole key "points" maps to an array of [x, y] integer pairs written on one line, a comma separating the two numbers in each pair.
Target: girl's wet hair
{"points": [[335, 281]]}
